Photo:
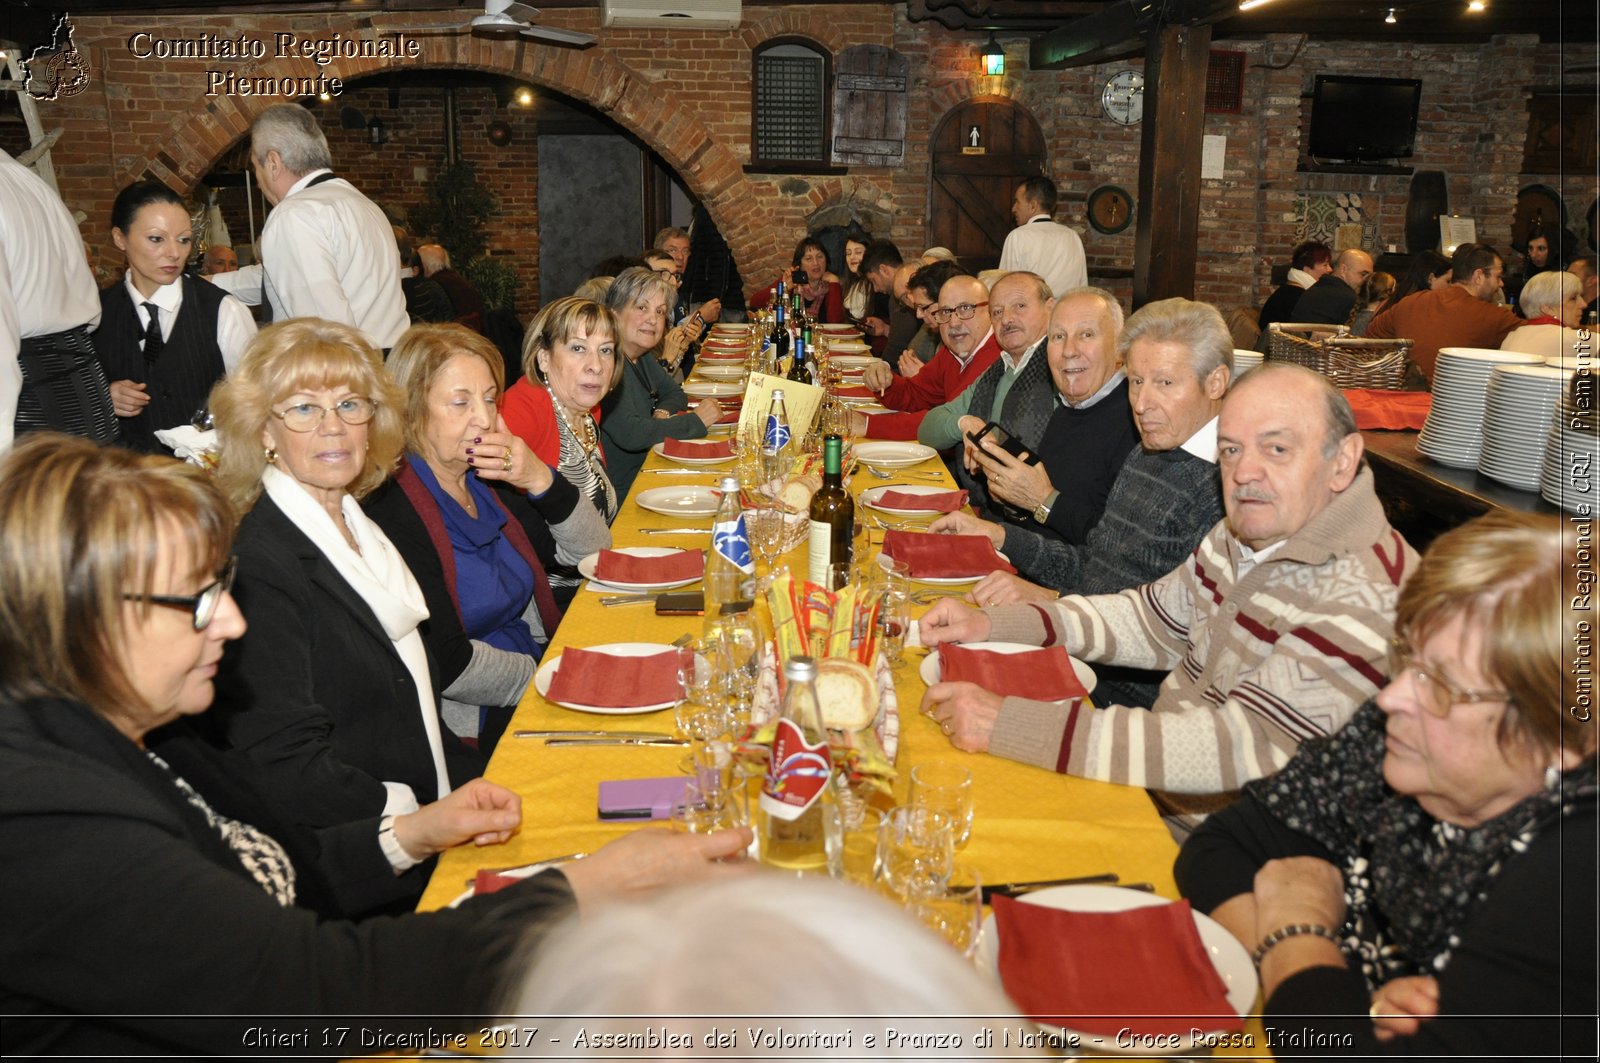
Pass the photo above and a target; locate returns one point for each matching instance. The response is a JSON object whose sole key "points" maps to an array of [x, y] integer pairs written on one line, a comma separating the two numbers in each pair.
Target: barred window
{"points": [[790, 104]]}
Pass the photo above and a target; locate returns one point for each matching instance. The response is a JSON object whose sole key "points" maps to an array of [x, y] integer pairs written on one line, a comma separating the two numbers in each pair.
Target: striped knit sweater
{"points": [[1257, 664]]}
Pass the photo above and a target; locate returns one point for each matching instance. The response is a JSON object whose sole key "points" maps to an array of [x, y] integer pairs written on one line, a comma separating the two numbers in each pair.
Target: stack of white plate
{"points": [[1521, 406], [1453, 433], [1572, 456], [1244, 361]]}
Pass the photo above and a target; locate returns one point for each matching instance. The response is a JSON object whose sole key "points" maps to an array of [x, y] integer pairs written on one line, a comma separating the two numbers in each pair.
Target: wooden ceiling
{"points": [[1571, 21]]}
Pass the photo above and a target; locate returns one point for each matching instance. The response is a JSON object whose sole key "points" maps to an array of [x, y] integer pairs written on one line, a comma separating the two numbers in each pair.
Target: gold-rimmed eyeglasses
{"points": [[1437, 694], [307, 416], [202, 605]]}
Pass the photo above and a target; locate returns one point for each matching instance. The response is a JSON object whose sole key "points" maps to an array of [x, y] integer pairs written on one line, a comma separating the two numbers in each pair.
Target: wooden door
{"points": [[982, 149], [869, 106]]}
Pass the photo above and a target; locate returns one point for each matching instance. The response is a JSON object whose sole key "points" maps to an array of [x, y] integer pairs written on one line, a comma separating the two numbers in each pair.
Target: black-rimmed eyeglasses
{"points": [[202, 605], [307, 416], [964, 312]]}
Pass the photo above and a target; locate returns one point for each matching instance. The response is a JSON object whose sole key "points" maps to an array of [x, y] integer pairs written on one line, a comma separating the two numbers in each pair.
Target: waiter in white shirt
{"points": [[1041, 245], [328, 251], [49, 377]]}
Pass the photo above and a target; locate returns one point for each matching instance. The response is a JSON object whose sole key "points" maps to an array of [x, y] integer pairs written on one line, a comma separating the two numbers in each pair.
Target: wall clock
{"points": [[1110, 209], [1122, 99]]}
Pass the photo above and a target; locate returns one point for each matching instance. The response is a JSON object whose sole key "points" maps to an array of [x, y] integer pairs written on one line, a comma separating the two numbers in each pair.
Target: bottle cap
{"points": [[729, 485], [800, 667], [777, 393]]}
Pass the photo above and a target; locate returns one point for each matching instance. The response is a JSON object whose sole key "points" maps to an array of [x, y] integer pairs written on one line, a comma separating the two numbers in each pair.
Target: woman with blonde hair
{"points": [[481, 554], [1433, 863], [332, 693], [569, 363]]}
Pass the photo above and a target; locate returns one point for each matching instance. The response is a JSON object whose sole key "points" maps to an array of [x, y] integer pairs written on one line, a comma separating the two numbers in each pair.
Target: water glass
{"points": [[894, 619], [952, 909], [916, 851], [862, 826], [738, 656], [705, 811], [946, 788]]}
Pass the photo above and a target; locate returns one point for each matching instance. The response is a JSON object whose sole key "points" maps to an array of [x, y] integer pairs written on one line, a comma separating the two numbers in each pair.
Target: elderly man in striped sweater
{"points": [[1274, 630]]}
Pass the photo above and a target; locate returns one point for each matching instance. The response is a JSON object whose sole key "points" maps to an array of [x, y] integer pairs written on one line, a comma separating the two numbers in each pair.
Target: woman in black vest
{"points": [[161, 368]]}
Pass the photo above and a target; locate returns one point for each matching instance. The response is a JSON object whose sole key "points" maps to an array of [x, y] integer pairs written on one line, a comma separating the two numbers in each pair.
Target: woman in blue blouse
{"points": [[479, 550]]}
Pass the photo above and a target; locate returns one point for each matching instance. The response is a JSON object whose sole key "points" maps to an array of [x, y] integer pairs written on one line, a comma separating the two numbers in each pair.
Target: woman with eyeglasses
{"points": [[156, 901], [332, 694], [481, 522], [647, 405], [1433, 863]]}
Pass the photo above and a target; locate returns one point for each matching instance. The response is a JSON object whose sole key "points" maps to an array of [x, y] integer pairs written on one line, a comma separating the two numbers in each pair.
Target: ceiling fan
{"points": [[500, 19]]}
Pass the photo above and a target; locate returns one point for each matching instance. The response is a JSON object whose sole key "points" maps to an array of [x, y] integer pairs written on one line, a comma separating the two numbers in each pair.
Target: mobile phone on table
{"points": [[681, 603]]}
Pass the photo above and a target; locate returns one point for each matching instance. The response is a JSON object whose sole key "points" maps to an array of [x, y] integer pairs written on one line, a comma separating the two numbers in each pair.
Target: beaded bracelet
{"points": [[1285, 932]]}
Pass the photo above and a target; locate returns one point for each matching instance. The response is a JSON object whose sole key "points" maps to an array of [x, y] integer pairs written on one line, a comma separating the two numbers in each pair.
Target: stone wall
{"points": [[686, 95]]}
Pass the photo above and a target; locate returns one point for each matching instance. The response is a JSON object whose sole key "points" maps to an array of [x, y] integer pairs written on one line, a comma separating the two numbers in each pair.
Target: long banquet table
{"points": [[1029, 823]]}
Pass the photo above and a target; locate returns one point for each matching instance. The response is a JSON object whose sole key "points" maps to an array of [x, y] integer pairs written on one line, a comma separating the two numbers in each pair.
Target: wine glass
{"points": [[894, 619], [739, 660], [765, 523], [916, 851], [953, 909], [946, 787]]}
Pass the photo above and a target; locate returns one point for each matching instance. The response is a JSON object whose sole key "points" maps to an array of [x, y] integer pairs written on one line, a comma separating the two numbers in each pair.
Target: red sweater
{"points": [[1449, 317], [941, 380], [529, 413]]}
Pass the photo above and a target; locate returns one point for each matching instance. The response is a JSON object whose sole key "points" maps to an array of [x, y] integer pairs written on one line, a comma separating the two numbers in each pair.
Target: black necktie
{"points": [[152, 334]]}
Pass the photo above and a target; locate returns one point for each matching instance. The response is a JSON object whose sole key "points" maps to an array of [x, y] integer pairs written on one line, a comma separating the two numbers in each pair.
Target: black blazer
{"points": [[119, 899], [314, 692]]}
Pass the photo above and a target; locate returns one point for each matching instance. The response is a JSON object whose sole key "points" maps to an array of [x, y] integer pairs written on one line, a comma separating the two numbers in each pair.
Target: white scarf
{"points": [[380, 576], [1300, 278]]}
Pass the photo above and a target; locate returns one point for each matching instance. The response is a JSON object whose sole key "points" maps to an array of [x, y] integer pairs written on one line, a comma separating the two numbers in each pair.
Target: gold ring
{"points": [[508, 463], [945, 727]]}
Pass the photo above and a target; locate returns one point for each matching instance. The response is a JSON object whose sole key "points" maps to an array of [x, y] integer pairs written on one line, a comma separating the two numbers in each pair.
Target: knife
{"points": [[628, 599], [590, 734], [676, 531], [682, 472], [1017, 889], [612, 740]]}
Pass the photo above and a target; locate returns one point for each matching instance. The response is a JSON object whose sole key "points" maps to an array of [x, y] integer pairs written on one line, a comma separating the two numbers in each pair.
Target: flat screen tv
{"points": [[1363, 118]]}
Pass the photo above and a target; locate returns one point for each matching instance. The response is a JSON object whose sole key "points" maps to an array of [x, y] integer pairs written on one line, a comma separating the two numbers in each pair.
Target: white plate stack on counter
{"points": [[1572, 451], [1453, 434], [1518, 414]]}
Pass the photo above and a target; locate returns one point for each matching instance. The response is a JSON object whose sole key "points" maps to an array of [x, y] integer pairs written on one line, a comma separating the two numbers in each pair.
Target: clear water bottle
{"points": [[797, 818], [775, 437], [729, 566]]}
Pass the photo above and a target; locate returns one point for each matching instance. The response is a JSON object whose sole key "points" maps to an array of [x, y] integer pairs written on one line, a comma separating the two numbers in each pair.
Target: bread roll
{"points": [[847, 694], [796, 494]]}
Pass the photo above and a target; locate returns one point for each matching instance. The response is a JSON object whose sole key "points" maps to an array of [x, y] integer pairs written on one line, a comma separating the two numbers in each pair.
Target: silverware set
{"points": [[603, 738], [1017, 889]]}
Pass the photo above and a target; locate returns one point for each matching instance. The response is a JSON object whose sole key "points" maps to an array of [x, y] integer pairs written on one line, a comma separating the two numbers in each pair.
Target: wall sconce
{"points": [[376, 136], [993, 58], [524, 97], [1389, 18]]}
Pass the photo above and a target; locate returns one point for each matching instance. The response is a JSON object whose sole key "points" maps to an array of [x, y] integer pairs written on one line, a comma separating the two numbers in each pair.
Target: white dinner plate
{"points": [[851, 361], [586, 568], [1229, 957], [890, 455], [519, 872], [930, 672], [871, 495], [551, 665], [736, 371], [689, 461], [680, 501], [713, 389]]}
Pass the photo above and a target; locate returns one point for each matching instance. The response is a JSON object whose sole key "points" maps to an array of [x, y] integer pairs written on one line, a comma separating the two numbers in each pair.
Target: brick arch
{"points": [[781, 22], [952, 94], [634, 101]]}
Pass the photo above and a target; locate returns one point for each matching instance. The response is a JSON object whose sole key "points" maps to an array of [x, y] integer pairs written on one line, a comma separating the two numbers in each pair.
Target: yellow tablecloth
{"points": [[1029, 823]]}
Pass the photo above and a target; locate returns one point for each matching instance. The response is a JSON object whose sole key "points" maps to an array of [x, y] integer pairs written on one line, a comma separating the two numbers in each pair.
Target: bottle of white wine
{"points": [[833, 517], [798, 814]]}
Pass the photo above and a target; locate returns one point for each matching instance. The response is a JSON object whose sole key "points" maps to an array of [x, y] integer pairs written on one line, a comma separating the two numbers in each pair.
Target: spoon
{"points": [[885, 474]]}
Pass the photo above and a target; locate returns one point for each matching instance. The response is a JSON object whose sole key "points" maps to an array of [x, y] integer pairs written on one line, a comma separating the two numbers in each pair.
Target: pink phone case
{"points": [[641, 798]]}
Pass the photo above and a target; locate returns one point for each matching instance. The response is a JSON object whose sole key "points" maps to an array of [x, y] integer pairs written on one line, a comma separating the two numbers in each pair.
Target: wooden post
{"points": [[1168, 228]]}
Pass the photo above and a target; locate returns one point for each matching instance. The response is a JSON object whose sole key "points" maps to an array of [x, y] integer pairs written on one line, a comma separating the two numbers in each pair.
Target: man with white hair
{"points": [[328, 250], [1275, 629], [1178, 357]]}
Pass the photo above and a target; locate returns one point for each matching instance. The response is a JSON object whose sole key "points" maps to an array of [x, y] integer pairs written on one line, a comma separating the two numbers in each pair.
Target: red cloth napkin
{"points": [[1042, 675], [854, 391], [1143, 970], [940, 556], [1393, 410], [946, 502], [615, 567], [489, 882], [587, 677], [730, 413], [691, 448]]}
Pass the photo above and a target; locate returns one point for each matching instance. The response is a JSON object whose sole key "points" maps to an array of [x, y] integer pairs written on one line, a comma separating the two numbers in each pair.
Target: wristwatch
{"points": [[1041, 512]]}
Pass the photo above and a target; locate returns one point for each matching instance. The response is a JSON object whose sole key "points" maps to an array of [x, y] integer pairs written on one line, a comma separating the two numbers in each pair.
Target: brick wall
{"points": [[686, 94]]}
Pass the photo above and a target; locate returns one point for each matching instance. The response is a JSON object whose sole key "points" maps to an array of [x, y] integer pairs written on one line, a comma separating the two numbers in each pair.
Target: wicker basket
{"points": [[1348, 361]]}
